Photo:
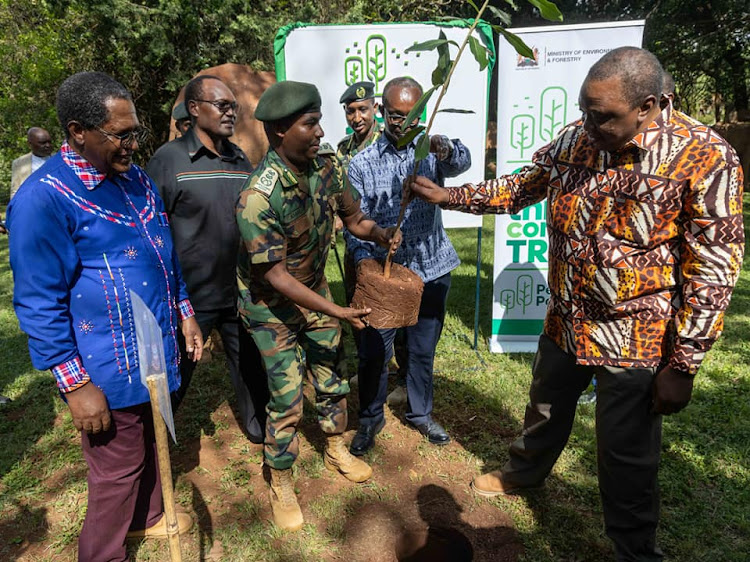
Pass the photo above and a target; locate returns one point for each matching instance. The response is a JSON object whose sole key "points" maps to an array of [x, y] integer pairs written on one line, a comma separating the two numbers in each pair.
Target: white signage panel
{"points": [[536, 98], [334, 56]]}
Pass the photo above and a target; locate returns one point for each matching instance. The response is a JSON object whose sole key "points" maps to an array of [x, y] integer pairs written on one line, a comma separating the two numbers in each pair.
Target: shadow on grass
{"points": [[31, 415], [704, 477], [209, 387], [448, 538], [27, 527]]}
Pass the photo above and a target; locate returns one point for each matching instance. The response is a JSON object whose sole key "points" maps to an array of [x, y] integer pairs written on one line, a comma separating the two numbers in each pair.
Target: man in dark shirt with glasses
{"points": [[200, 176]]}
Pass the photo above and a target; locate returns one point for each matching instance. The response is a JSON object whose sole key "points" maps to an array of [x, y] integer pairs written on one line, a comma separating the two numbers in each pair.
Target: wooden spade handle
{"points": [[165, 471]]}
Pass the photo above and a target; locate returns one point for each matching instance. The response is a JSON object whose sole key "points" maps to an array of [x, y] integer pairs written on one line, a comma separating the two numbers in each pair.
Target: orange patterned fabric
{"points": [[645, 244]]}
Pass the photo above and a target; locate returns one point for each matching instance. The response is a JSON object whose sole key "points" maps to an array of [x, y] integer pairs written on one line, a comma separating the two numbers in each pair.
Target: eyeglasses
{"points": [[396, 119], [138, 135], [222, 105]]}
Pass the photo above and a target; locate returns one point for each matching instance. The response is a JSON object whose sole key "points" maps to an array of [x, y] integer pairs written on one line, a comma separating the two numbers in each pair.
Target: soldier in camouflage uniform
{"points": [[285, 215], [360, 108]]}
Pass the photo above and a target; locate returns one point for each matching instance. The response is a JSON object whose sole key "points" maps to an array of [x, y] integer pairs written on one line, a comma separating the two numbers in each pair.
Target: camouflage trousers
{"points": [[282, 347]]}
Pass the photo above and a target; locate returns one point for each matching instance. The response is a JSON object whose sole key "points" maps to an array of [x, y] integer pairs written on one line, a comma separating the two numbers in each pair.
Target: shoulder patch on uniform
{"points": [[266, 181], [326, 150]]}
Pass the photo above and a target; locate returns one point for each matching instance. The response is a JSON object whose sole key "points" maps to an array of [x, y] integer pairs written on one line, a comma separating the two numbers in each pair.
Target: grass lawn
{"points": [[417, 488]]}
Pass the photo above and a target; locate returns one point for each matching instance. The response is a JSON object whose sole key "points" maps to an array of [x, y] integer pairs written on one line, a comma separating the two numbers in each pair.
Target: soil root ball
{"points": [[394, 301]]}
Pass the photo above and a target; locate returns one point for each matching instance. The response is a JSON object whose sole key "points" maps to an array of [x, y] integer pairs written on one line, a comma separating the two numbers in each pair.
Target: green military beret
{"points": [[287, 98], [357, 92], [180, 112]]}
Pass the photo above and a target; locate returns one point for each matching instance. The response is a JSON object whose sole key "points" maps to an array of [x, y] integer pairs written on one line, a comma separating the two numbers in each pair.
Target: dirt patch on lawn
{"points": [[416, 507]]}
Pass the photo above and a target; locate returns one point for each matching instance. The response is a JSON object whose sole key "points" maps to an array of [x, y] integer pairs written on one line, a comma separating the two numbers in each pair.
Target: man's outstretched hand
{"points": [[428, 191], [354, 316], [672, 391]]}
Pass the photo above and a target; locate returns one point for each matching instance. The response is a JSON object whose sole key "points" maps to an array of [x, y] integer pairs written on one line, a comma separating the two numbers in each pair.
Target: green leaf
{"points": [[429, 45], [416, 111], [504, 17], [473, 5], [438, 76], [444, 63], [422, 149], [515, 41], [444, 53], [453, 110], [548, 10], [479, 52], [408, 137], [512, 4]]}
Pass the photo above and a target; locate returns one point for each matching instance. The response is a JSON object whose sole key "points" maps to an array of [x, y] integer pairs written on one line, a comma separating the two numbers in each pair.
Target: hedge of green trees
{"points": [[154, 46]]}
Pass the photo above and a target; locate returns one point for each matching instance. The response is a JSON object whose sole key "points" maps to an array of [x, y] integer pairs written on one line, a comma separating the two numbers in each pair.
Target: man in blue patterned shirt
{"points": [[378, 173], [87, 227]]}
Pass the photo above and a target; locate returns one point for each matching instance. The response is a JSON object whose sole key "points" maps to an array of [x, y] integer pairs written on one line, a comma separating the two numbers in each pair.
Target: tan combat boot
{"points": [[286, 512], [338, 459]]}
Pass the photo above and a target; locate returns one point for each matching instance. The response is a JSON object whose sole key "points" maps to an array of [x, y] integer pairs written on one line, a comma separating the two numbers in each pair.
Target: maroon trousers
{"points": [[124, 484]]}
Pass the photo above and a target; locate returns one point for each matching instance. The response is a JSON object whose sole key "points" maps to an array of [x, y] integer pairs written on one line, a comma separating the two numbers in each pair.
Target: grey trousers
{"points": [[628, 443]]}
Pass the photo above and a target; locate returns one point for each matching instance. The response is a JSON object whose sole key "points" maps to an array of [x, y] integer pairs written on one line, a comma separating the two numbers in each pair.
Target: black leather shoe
{"points": [[434, 432], [365, 438]]}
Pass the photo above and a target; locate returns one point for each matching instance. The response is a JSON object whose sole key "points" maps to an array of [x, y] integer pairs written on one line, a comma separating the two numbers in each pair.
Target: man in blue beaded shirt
{"points": [[85, 229]]}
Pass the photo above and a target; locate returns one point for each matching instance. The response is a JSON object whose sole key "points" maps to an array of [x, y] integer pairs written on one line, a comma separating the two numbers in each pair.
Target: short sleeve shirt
{"points": [[287, 216]]}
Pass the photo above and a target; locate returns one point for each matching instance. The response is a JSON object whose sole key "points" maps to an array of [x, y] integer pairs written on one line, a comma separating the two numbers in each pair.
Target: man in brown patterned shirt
{"points": [[645, 246]]}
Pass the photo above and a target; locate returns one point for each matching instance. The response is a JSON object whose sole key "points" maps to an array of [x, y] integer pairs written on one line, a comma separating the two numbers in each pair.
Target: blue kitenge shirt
{"points": [[79, 242], [378, 173]]}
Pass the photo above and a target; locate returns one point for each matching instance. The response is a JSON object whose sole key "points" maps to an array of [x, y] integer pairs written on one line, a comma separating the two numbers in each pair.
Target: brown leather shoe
{"points": [[159, 531], [491, 484]]}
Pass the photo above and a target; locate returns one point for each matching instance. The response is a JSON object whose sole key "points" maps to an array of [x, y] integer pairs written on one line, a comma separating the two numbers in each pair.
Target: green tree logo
{"points": [[353, 70], [522, 296], [524, 289], [552, 111], [508, 298], [522, 132], [375, 55]]}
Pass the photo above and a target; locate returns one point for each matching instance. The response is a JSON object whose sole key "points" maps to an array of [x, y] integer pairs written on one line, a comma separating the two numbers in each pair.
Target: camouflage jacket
{"points": [[348, 147], [285, 216]]}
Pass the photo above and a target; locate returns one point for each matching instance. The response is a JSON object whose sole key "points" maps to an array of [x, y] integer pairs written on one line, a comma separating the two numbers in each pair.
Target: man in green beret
{"points": [[181, 119], [360, 109], [284, 215]]}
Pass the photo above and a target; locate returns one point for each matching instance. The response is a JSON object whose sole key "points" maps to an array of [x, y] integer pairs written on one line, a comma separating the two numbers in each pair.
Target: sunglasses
{"points": [[222, 105]]}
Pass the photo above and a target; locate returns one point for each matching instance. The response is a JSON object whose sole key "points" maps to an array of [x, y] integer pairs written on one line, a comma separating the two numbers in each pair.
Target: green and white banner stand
{"points": [[335, 56], [536, 98]]}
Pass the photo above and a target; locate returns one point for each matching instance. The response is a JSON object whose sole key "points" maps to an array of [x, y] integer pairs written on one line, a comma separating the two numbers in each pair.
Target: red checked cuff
{"points": [[185, 309], [70, 375]]}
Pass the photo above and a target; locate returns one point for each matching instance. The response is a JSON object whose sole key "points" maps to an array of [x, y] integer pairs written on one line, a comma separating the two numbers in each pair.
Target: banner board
{"points": [[536, 98], [335, 56]]}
